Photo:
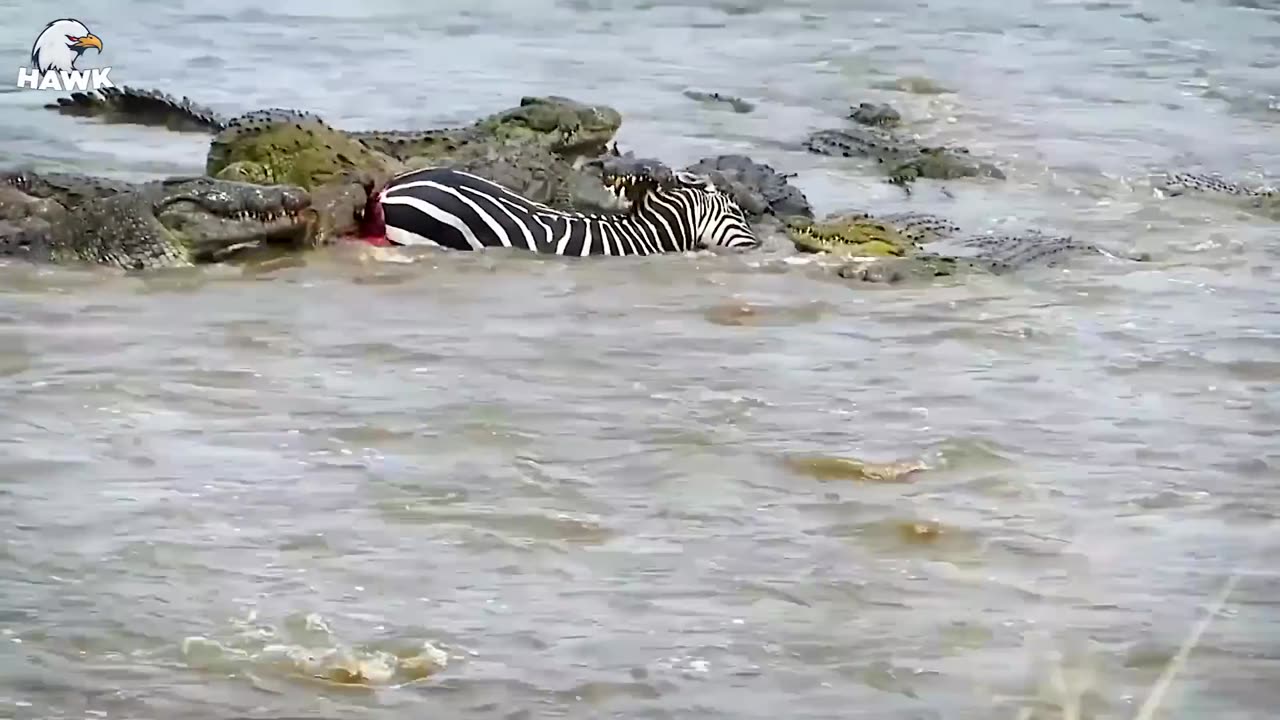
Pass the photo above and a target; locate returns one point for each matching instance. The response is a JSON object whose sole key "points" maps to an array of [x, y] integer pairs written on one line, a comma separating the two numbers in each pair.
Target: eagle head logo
{"points": [[61, 44]]}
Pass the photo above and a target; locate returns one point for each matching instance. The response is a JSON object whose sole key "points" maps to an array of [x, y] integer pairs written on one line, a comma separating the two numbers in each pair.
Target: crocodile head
{"points": [[190, 220], [850, 235], [292, 148], [211, 219], [875, 114], [564, 125]]}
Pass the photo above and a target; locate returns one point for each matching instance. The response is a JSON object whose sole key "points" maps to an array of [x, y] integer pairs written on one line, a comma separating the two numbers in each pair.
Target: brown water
{"points": [[609, 489]]}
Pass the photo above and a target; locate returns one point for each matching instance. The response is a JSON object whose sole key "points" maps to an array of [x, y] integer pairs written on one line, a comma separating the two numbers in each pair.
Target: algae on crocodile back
{"points": [[851, 235], [565, 125], [293, 149], [526, 148]]}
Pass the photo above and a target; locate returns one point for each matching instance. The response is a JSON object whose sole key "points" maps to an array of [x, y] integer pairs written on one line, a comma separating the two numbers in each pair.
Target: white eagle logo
{"points": [[61, 45]]}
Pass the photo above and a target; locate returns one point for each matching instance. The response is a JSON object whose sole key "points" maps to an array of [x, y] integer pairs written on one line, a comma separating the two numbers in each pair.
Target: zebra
{"points": [[453, 209]]}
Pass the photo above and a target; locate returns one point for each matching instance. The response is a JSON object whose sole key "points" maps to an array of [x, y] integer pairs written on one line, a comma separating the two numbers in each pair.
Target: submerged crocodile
{"points": [[174, 222], [893, 247], [532, 148], [1262, 199], [903, 159], [758, 189], [1190, 183]]}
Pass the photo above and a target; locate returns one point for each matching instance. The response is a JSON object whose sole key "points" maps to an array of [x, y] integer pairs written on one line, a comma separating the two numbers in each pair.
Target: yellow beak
{"points": [[89, 41]]}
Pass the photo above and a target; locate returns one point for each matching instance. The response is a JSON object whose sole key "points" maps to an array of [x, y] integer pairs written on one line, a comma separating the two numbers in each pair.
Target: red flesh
{"points": [[373, 224]]}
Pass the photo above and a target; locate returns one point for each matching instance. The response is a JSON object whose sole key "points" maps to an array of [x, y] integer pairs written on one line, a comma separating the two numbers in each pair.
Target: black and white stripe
{"points": [[454, 209]]}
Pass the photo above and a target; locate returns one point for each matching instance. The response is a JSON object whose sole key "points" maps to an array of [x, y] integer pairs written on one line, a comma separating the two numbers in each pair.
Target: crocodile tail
{"points": [[138, 106]]}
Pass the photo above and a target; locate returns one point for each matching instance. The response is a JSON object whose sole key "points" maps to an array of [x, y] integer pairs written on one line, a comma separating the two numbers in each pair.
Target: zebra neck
{"points": [[655, 232], [645, 228]]}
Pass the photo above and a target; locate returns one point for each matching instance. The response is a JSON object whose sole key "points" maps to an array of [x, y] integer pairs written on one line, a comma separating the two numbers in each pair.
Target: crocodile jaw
{"points": [[213, 236], [845, 239]]}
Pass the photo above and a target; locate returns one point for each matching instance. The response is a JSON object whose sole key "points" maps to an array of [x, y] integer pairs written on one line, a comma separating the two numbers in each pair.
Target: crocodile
{"points": [[736, 104], [875, 114], [173, 222], [758, 189], [854, 234], [903, 159], [1190, 183], [533, 148], [562, 125], [1261, 199], [893, 247]]}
